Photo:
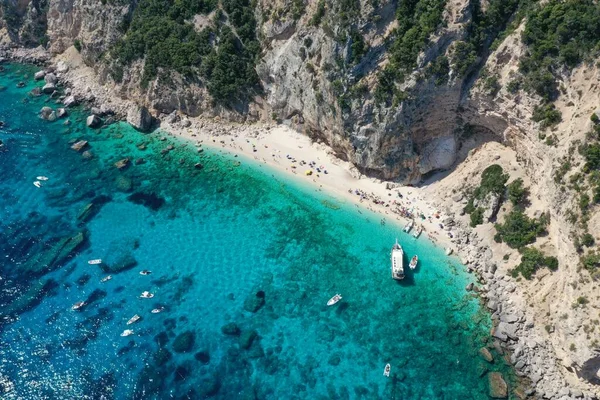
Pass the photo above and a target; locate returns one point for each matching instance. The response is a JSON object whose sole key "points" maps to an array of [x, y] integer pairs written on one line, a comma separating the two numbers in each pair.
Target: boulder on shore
{"points": [[70, 101], [498, 387], [39, 75], [51, 78], [62, 113], [49, 88], [486, 355], [139, 117], [93, 121]]}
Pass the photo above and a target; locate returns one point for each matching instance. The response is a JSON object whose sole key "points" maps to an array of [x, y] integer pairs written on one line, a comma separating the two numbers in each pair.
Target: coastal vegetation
{"points": [[533, 259], [493, 183], [519, 230], [223, 54]]}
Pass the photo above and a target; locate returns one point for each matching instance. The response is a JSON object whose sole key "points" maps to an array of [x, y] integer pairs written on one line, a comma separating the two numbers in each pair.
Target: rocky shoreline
{"points": [[515, 333]]}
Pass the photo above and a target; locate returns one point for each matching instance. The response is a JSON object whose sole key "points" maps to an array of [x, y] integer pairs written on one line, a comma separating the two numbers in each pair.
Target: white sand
{"points": [[271, 144]]}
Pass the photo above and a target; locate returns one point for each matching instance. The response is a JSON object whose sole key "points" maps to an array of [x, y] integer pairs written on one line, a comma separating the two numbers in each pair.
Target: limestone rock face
{"points": [[139, 117]]}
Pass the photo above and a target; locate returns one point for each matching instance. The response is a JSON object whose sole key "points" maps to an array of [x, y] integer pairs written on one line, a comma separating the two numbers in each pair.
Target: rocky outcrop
{"points": [[139, 117]]}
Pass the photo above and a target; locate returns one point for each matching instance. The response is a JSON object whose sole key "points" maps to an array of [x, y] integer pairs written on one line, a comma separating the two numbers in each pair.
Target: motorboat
{"points": [[418, 231], [409, 226], [387, 369], [397, 261], [95, 262], [42, 178], [106, 278], [157, 310], [78, 305], [145, 272], [334, 299], [127, 332], [133, 319], [413, 262], [449, 251], [37, 184], [146, 295]]}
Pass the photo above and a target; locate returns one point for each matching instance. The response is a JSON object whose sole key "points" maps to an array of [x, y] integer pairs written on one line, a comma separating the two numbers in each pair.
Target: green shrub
{"points": [[77, 45], [558, 34], [358, 47], [315, 20], [517, 193], [477, 217], [493, 180], [533, 259], [491, 85], [591, 261], [591, 152], [595, 119], [587, 240], [513, 86], [439, 69], [519, 230], [547, 114], [298, 7]]}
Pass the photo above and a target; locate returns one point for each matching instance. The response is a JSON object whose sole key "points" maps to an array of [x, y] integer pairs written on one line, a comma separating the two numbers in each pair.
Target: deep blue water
{"points": [[214, 239]]}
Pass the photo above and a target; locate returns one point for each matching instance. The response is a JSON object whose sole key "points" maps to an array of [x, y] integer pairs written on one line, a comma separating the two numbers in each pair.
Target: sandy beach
{"points": [[294, 154]]}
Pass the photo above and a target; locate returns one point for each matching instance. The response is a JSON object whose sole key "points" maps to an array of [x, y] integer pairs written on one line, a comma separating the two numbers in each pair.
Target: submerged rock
{"points": [[30, 297], [70, 101], [184, 342], [149, 200], [49, 88], [54, 255], [124, 184], [486, 355], [45, 112], [125, 263], [162, 356], [122, 163], [254, 302], [247, 338], [231, 329], [80, 145], [498, 387], [203, 357], [208, 387]]}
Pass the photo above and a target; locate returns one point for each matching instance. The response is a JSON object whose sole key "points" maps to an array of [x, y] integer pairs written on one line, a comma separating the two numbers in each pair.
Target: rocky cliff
{"points": [[403, 90]]}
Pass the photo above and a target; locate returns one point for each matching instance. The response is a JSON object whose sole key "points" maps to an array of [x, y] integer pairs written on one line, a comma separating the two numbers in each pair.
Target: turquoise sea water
{"points": [[220, 242]]}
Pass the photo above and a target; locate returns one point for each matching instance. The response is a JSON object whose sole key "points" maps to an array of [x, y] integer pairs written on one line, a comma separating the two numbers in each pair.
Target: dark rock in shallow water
{"points": [[150, 200], [181, 373], [231, 329], [184, 342], [247, 338], [254, 302], [162, 339], [126, 349], [124, 184], [124, 263], [54, 255], [486, 355], [334, 360], [498, 387], [203, 357], [83, 279], [162, 356], [208, 387], [96, 295], [30, 298]]}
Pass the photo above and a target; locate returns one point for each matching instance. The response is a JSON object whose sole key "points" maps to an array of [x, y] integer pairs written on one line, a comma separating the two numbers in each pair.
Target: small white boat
{"points": [[334, 299], [146, 295], [449, 251], [387, 369], [145, 272], [133, 319], [95, 262], [127, 332], [413, 262], [42, 178], [418, 231], [106, 278], [37, 184], [78, 305], [409, 226], [157, 310]]}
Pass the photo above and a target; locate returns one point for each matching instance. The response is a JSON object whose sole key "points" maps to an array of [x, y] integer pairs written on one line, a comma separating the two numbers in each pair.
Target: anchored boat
{"points": [[127, 332], [413, 262], [133, 319], [95, 262], [387, 369], [417, 231], [397, 262], [334, 299], [78, 305], [409, 226]]}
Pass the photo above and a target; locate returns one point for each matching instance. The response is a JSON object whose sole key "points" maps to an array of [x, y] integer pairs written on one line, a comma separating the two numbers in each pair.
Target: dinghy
{"points": [[78, 305], [146, 295], [413, 262], [127, 332], [387, 369], [133, 319], [334, 299], [95, 262]]}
